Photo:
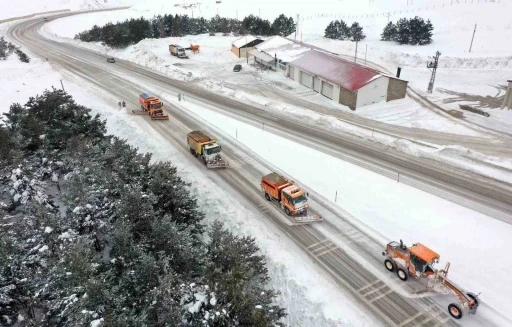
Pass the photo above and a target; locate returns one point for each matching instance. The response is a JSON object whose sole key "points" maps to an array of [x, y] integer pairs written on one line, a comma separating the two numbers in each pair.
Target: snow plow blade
{"points": [[218, 164], [139, 112], [306, 219], [162, 117]]}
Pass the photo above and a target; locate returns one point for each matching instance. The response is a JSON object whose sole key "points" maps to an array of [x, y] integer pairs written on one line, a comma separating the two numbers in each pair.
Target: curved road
{"points": [[330, 243]]}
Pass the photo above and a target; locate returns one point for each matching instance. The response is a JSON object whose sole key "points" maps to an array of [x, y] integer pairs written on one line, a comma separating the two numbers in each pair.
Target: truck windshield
{"points": [[213, 150], [300, 199], [156, 106]]}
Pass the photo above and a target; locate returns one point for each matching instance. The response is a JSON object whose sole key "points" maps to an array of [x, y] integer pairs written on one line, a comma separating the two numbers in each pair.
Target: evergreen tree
{"points": [[283, 26], [343, 30], [403, 32], [425, 33], [331, 31], [356, 32], [389, 33]]}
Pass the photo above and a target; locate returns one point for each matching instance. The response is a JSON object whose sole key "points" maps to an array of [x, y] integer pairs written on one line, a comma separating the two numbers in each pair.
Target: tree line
{"points": [[414, 31], [132, 31], [93, 232], [7, 48], [339, 30]]}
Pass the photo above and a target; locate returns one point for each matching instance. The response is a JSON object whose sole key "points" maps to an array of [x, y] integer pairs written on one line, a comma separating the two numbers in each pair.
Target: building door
{"points": [[327, 90], [317, 84], [292, 72], [305, 79]]}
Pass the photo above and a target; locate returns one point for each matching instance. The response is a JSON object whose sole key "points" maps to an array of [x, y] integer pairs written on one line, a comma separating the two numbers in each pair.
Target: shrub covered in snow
{"points": [[95, 234]]}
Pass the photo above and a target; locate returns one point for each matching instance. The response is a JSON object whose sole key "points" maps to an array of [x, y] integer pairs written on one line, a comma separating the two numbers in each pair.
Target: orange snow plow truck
{"points": [[152, 105], [292, 199]]}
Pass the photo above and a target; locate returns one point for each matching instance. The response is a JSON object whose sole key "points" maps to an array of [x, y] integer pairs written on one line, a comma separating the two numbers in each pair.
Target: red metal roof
{"points": [[349, 75]]}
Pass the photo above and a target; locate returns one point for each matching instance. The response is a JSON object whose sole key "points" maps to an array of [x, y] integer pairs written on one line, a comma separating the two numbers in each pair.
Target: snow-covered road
{"points": [[128, 88]]}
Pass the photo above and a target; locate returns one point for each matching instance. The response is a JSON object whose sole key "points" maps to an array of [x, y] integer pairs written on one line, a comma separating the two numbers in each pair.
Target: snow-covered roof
{"points": [[284, 49], [347, 74], [243, 41], [261, 55]]}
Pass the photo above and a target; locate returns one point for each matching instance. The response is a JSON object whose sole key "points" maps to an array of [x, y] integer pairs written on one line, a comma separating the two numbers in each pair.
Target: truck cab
{"points": [[211, 152], [292, 198]]}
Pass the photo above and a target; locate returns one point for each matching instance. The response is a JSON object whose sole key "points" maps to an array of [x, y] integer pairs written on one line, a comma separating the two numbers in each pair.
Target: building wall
{"points": [[244, 54], [297, 75], [336, 92], [507, 102], [348, 98], [373, 92], [396, 89], [235, 50]]}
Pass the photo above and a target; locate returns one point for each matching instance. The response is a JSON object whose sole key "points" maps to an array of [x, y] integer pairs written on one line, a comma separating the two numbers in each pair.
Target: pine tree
{"points": [[343, 30], [283, 26], [403, 32], [425, 34], [389, 33], [356, 32], [331, 32], [415, 26]]}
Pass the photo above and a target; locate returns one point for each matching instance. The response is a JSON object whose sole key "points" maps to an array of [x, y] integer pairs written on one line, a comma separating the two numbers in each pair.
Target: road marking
{"points": [[374, 290], [369, 285], [405, 322], [381, 296], [433, 315], [321, 242], [442, 322], [329, 250]]}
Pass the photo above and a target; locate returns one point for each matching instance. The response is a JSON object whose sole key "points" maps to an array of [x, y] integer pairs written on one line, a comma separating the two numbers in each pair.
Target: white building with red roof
{"points": [[338, 79]]}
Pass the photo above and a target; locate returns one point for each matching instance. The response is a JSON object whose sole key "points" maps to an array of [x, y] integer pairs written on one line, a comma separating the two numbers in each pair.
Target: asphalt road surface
{"points": [[331, 243]]}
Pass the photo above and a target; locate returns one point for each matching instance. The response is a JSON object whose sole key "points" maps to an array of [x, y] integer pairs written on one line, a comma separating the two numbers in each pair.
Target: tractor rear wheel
{"points": [[390, 265], [402, 274], [473, 297], [267, 196], [455, 311]]}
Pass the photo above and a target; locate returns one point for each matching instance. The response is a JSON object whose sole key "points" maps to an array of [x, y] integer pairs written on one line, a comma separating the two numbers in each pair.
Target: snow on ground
{"points": [[309, 297], [9, 9], [462, 236], [214, 65], [212, 69]]}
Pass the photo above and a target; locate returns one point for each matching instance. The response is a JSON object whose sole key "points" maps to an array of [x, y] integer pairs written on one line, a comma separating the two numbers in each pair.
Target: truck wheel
{"points": [[455, 311], [472, 296], [390, 265], [193, 152], [142, 107], [267, 196], [287, 211], [402, 274], [204, 160]]}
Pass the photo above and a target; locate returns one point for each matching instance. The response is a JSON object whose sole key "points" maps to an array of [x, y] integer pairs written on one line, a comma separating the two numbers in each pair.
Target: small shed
{"points": [[243, 46]]}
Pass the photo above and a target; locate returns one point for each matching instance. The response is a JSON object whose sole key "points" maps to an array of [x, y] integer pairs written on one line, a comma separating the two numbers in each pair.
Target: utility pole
{"points": [[296, 26], [471, 46], [433, 65], [389, 14], [365, 54], [355, 55], [62, 86]]}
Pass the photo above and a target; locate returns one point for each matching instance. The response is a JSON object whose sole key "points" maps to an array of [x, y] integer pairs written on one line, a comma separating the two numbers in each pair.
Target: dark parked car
{"points": [[237, 68], [111, 60]]}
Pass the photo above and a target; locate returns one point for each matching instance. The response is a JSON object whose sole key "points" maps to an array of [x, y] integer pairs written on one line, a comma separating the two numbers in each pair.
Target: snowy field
{"points": [[309, 298]]}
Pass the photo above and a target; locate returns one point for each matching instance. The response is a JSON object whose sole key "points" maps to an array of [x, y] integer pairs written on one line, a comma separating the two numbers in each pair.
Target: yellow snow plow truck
{"points": [[206, 148]]}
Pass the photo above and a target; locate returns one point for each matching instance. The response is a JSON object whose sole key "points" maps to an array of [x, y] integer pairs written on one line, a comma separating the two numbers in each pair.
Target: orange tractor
{"points": [[418, 262], [152, 105]]}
